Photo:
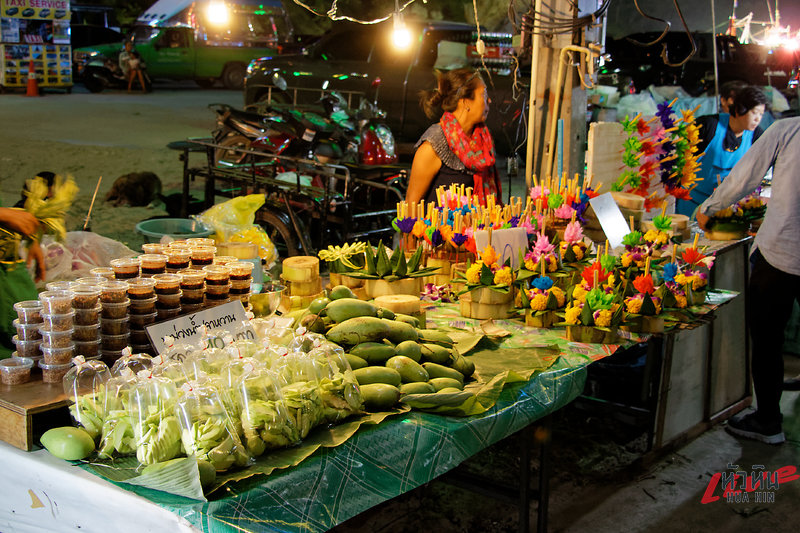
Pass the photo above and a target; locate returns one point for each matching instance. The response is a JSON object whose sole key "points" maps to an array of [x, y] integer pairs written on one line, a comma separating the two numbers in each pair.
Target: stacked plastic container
{"points": [[241, 273], [218, 284], [56, 329], [114, 323], [168, 294], [193, 290], [86, 328], [141, 312], [152, 264], [28, 339]]}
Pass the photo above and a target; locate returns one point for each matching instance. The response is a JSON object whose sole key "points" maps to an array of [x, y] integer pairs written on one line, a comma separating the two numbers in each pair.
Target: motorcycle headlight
{"points": [[387, 139]]}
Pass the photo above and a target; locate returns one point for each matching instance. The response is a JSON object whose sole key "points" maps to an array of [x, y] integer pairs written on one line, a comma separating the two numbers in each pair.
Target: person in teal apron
{"points": [[15, 283], [724, 140]]}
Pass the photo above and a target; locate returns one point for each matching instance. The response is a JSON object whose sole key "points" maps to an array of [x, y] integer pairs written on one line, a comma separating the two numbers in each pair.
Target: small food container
{"points": [[114, 326], [240, 284], [193, 279], [58, 356], [142, 307], [241, 270], [139, 337], [141, 288], [61, 285], [202, 256], [61, 322], [16, 371], [56, 339], [86, 296], [87, 317], [88, 349], [178, 245], [54, 373], [114, 291], [191, 308], [223, 260], [239, 292], [56, 302], [192, 296], [152, 264], [167, 283], [86, 333], [169, 300], [103, 272], [115, 310], [217, 275], [215, 300], [200, 241], [140, 321], [167, 313], [114, 342], [109, 357], [91, 280], [218, 291], [125, 268], [27, 332], [29, 311], [178, 259], [153, 248]]}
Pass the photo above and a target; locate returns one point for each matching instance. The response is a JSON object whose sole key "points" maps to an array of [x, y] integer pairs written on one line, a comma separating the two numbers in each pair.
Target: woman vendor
{"points": [[724, 140], [459, 148], [15, 282]]}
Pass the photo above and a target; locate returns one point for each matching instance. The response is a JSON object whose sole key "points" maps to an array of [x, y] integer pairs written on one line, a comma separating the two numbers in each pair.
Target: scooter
{"points": [[98, 73]]}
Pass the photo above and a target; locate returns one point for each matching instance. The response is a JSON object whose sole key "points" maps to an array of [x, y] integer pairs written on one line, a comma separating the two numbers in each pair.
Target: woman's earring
{"points": [[467, 108]]}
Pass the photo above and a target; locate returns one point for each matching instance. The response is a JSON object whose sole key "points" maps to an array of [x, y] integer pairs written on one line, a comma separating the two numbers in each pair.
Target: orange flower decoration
{"points": [[489, 256], [419, 229], [644, 284], [588, 274], [446, 232], [692, 256]]}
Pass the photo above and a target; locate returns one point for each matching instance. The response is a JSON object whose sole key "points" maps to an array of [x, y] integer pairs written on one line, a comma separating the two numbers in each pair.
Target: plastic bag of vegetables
{"points": [[207, 430], [84, 385], [152, 410], [118, 437], [265, 420], [300, 376], [338, 386]]}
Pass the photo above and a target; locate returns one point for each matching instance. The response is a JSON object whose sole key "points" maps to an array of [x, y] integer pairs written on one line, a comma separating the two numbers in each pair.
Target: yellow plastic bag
{"points": [[233, 221]]}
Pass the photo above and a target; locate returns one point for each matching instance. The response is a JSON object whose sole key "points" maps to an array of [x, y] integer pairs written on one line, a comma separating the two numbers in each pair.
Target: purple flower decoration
{"points": [[436, 293], [664, 113], [436, 238], [459, 239], [514, 221], [405, 225]]}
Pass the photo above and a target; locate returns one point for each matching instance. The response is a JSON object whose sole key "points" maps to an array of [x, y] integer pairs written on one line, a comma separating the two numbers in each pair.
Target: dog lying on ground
{"points": [[137, 189]]}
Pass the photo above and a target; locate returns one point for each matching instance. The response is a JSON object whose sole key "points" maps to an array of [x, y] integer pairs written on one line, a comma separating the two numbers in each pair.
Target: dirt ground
{"points": [[108, 134]]}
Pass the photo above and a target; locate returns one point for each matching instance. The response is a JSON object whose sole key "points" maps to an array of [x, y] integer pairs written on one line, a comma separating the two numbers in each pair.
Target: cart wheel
{"points": [[226, 157], [279, 232]]}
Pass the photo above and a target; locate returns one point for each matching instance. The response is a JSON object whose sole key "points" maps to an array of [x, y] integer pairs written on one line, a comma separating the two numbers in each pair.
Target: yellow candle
{"points": [[696, 236]]}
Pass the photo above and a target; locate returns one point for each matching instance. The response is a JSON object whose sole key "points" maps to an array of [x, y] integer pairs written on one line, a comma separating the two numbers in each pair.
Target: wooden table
{"points": [[22, 405]]}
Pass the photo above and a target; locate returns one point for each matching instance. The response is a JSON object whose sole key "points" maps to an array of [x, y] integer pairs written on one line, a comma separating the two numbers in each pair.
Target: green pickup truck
{"points": [[185, 46]]}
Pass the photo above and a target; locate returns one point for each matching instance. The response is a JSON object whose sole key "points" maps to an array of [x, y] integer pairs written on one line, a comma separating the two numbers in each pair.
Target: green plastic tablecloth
{"points": [[378, 462]]}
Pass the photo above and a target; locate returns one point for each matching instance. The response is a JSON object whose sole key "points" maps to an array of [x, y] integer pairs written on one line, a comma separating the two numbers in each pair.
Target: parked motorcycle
{"points": [[98, 73]]}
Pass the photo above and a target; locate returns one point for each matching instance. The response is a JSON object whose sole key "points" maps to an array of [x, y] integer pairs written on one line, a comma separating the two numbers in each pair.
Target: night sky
{"points": [[624, 19]]}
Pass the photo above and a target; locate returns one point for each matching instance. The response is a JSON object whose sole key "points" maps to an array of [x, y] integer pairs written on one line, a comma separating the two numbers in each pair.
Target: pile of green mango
{"points": [[389, 353]]}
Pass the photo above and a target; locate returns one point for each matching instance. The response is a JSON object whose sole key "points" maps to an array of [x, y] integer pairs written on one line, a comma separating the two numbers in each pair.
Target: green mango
{"points": [[408, 319], [410, 371], [448, 390], [355, 361], [442, 383], [417, 388], [342, 309], [313, 323], [318, 305], [374, 353], [463, 365], [385, 313], [379, 396], [441, 371], [357, 330], [340, 291], [377, 374], [410, 349], [435, 353], [400, 331], [68, 442], [208, 475], [435, 337]]}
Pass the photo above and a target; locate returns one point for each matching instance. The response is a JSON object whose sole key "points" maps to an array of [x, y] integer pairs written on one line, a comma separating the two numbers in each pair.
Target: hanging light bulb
{"points": [[217, 13], [401, 35]]}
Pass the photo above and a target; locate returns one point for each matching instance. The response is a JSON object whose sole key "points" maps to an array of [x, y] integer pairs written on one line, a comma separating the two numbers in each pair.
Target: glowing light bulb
{"points": [[401, 35], [217, 13]]}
